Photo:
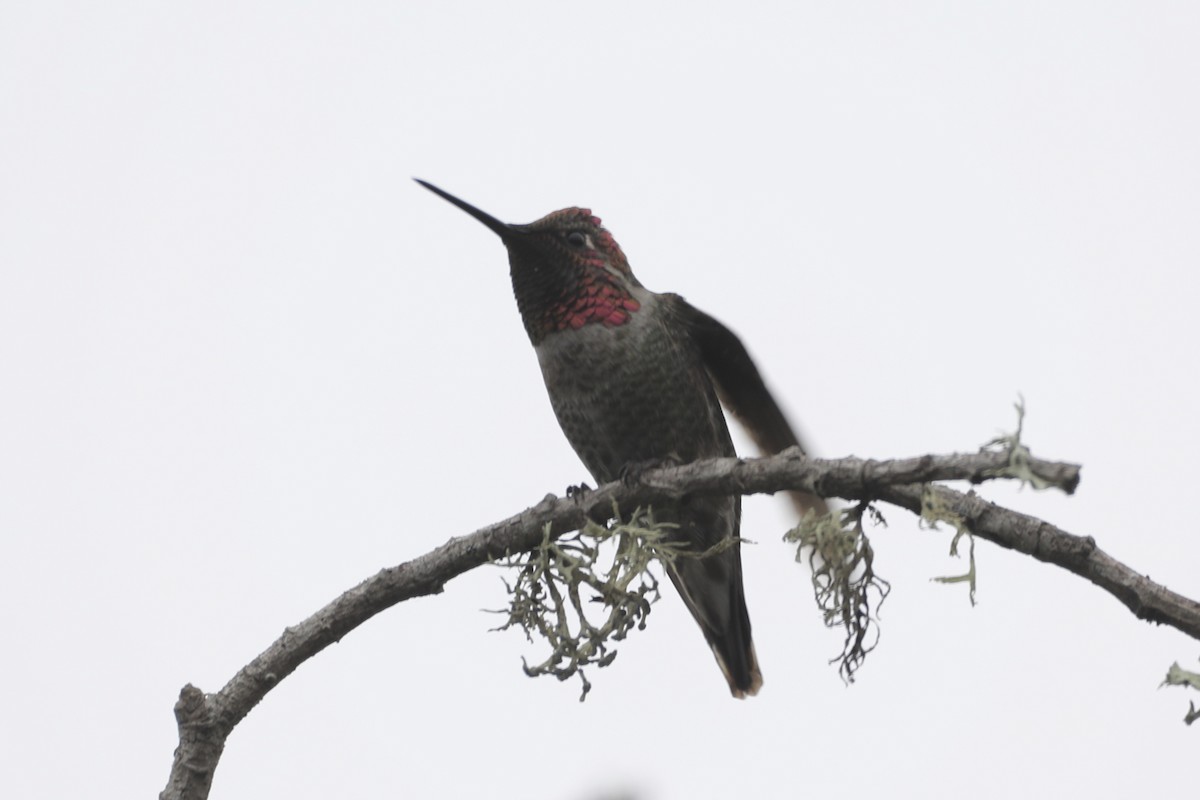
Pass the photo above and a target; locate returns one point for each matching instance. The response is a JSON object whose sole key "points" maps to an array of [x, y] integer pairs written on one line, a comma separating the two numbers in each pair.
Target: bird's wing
{"points": [[742, 391]]}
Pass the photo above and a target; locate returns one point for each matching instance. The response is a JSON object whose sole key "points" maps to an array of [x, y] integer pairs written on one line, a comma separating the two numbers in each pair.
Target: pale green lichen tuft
{"points": [[587, 590], [847, 590], [1018, 466], [1178, 676], [933, 511]]}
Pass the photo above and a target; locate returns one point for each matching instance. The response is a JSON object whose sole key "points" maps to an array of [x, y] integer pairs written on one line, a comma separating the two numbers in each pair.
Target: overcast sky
{"points": [[246, 363]]}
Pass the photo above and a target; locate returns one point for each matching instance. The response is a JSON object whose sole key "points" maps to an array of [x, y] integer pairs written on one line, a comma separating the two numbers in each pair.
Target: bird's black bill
{"points": [[494, 224]]}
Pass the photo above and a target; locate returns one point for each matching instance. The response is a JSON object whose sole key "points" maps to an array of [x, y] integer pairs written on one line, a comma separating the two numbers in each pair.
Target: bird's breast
{"points": [[632, 393]]}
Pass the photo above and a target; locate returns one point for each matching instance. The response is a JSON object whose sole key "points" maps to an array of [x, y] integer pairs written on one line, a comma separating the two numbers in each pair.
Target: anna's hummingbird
{"points": [[634, 378]]}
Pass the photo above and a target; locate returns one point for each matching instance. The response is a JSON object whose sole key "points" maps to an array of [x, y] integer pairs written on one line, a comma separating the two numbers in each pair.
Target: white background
{"points": [[246, 363]]}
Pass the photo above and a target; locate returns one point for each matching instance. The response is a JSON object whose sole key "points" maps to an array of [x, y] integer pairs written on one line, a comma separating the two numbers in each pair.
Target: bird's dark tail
{"points": [[711, 588]]}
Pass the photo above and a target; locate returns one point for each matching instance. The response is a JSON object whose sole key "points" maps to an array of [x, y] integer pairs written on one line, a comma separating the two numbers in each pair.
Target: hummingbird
{"points": [[637, 379]]}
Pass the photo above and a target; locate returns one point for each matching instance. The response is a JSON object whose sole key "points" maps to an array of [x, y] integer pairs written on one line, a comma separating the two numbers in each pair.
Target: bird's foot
{"points": [[599, 515]]}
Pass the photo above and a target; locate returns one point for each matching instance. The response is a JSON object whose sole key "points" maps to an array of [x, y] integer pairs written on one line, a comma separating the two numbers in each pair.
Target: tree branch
{"points": [[205, 721]]}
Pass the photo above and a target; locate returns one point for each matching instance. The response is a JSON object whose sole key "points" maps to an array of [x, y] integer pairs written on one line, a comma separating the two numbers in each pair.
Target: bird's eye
{"points": [[576, 239]]}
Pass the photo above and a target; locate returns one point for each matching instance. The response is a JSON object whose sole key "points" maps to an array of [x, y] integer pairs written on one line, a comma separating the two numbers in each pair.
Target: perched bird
{"points": [[634, 378]]}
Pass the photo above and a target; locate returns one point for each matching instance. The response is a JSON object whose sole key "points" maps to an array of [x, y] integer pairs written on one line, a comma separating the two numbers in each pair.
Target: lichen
{"points": [[585, 591], [1018, 466], [933, 511], [1178, 676], [847, 590]]}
